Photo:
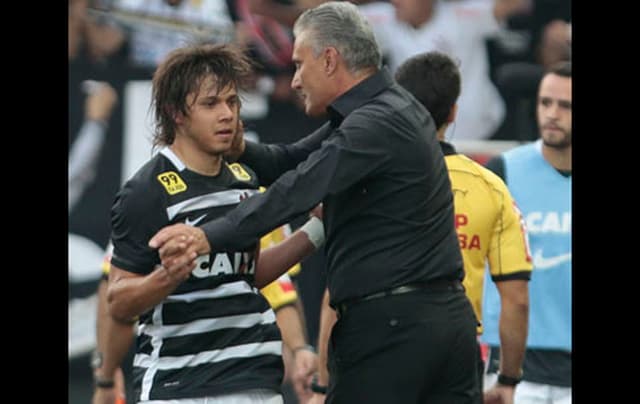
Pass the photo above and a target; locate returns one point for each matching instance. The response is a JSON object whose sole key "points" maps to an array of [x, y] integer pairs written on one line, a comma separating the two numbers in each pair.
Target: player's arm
{"points": [[513, 328], [113, 341], [275, 260], [327, 319], [131, 294], [510, 266], [305, 360], [300, 358], [514, 325]]}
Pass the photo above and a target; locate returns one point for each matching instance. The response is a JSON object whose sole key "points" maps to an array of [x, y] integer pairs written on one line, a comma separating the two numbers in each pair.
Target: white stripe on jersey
{"points": [[212, 200], [156, 343], [175, 160], [207, 325], [223, 290], [217, 355]]}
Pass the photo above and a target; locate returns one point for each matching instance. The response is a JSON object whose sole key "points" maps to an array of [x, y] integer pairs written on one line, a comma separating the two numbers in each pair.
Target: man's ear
{"points": [[178, 117], [331, 56]]}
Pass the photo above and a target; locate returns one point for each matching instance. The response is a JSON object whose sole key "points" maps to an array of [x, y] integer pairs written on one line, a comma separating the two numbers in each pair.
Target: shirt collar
{"points": [[447, 148], [358, 95]]}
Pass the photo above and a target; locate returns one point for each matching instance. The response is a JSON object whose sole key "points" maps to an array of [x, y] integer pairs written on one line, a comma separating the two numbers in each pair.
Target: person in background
{"points": [[113, 341], [489, 225], [539, 178], [404, 28], [394, 265], [85, 150]]}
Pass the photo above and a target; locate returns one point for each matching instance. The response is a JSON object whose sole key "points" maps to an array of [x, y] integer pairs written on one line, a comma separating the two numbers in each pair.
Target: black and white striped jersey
{"points": [[215, 334]]}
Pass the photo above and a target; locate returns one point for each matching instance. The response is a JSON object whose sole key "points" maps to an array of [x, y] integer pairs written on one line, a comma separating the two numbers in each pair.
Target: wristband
{"points": [[317, 388], [508, 380], [103, 383], [315, 231]]}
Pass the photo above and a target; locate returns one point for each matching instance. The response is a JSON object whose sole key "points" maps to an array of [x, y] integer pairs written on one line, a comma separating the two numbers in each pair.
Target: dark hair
{"points": [[183, 71], [561, 69], [434, 79]]}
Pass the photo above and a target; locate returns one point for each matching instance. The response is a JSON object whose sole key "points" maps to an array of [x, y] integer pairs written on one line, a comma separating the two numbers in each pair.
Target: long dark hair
{"points": [[182, 73]]}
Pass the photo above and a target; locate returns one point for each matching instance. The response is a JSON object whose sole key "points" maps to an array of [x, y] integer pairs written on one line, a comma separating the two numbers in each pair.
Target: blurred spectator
{"points": [[458, 28], [87, 35], [156, 27], [92, 52], [539, 175], [517, 75], [269, 42], [85, 151]]}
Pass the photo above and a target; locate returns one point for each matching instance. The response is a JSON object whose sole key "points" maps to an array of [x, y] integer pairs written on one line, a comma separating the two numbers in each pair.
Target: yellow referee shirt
{"points": [[489, 226]]}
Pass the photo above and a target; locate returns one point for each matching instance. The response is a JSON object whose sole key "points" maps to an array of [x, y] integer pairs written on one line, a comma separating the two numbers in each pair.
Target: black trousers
{"points": [[418, 347]]}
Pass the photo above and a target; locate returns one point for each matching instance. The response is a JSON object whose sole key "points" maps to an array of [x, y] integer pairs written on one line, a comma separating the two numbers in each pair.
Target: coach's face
{"points": [[311, 80]]}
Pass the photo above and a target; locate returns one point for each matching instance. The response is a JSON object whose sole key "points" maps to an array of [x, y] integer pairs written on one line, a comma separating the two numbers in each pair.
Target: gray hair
{"points": [[340, 25]]}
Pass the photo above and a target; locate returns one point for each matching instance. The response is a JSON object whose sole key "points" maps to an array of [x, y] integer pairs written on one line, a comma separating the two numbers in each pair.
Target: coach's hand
{"points": [[179, 244], [237, 145]]}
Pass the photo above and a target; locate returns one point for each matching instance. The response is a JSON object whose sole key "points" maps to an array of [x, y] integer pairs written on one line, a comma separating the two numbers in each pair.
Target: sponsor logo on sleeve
{"points": [[239, 172], [172, 182]]}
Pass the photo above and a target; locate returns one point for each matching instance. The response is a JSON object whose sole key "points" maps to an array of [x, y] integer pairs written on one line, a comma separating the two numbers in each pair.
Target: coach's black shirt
{"points": [[379, 171]]}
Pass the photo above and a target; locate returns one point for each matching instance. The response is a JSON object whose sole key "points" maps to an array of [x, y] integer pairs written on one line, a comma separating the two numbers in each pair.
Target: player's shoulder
{"points": [[464, 164], [150, 178], [146, 186], [242, 174]]}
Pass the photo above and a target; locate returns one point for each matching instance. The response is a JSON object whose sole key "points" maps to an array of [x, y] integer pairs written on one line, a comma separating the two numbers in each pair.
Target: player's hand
{"points": [[305, 365], [237, 145], [178, 245], [499, 394]]}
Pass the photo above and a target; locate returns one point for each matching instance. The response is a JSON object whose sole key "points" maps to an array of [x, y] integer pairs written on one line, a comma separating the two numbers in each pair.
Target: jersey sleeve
{"points": [[135, 217], [280, 292], [509, 255]]}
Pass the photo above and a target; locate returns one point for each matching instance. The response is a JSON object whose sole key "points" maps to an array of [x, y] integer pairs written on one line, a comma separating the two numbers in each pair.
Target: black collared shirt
{"points": [[379, 171]]}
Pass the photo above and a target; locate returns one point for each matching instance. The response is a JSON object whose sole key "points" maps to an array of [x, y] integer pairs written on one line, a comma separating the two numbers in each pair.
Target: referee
{"points": [[406, 331]]}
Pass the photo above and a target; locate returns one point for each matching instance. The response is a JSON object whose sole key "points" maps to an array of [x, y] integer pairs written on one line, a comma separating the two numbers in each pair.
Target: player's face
{"points": [[213, 117], [310, 80], [554, 111]]}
